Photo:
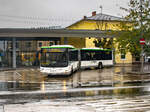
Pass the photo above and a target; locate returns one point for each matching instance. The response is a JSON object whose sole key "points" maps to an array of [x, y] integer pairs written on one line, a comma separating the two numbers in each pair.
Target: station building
{"points": [[80, 34], [21, 47], [100, 22], [27, 51]]}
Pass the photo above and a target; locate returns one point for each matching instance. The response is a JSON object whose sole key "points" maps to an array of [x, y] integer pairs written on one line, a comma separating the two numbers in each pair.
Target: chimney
{"points": [[94, 13], [84, 17]]}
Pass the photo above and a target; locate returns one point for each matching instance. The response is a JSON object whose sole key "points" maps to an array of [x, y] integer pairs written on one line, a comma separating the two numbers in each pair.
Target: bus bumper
{"points": [[57, 71]]}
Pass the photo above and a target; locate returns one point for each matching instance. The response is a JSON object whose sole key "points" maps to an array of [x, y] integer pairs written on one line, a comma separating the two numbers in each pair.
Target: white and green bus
{"points": [[96, 57], [59, 59], [65, 59]]}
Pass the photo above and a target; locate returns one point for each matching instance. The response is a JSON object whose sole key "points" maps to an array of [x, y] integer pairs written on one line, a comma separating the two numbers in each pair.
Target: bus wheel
{"points": [[100, 66], [78, 67], [71, 71]]}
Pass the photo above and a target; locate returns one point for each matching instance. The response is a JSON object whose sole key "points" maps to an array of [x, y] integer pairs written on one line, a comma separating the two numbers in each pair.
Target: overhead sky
{"points": [[44, 13]]}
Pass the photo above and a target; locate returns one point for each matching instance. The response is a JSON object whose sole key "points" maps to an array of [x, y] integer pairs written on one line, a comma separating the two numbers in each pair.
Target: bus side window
{"points": [[97, 55], [103, 55], [108, 55], [100, 55], [88, 56], [73, 55], [83, 55], [94, 55]]}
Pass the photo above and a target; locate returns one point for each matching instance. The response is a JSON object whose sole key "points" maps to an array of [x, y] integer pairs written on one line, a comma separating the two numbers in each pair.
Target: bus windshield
{"points": [[53, 58]]}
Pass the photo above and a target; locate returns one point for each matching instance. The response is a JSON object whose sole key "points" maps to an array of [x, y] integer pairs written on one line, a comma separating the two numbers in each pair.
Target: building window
{"points": [[40, 44], [123, 54], [28, 44], [51, 43], [17, 44], [11, 45]]}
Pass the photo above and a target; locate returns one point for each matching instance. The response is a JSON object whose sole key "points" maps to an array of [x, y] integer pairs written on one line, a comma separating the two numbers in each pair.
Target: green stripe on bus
{"points": [[97, 49], [56, 47]]}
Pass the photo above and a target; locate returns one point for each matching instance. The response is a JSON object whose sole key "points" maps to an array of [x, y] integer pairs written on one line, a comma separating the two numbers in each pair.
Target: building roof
{"points": [[106, 17], [100, 17]]}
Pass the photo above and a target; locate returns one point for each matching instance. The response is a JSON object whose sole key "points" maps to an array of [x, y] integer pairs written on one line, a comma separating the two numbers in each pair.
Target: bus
{"points": [[59, 59], [65, 59], [96, 57]]}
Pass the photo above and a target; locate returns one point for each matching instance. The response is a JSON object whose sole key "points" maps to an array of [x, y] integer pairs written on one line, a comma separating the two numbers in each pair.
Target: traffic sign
{"points": [[142, 41]]}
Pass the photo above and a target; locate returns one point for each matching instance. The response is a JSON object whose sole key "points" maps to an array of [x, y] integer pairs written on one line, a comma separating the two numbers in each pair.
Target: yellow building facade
{"points": [[98, 22]]}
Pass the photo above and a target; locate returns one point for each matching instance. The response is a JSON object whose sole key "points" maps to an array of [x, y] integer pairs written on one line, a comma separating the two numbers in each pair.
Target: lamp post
{"points": [[142, 42], [141, 22]]}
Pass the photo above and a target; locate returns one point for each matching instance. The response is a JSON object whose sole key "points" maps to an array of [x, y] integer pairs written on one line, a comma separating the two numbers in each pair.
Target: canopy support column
{"points": [[65, 41], [14, 52]]}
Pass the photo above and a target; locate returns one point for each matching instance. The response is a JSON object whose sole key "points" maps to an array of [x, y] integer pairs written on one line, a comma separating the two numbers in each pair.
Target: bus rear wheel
{"points": [[71, 71], [100, 66]]}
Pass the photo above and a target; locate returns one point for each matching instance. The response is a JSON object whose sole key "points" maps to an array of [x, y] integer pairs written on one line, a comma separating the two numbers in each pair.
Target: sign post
{"points": [[142, 42]]}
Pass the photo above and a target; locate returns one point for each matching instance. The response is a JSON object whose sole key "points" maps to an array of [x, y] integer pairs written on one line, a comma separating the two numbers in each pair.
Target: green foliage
{"points": [[133, 30], [103, 43]]}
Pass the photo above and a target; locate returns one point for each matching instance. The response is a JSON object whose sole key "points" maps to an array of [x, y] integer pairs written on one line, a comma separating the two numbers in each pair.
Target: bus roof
{"points": [[59, 46], [96, 48], [72, 47]]}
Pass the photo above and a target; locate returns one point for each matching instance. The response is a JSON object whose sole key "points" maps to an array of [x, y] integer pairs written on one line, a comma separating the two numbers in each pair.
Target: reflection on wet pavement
{"points": [[114, 89], [33, 79]]}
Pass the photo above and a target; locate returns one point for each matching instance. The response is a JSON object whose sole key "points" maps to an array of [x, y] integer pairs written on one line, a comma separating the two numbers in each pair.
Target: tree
{"points": [[135, 26], [102, 42]]}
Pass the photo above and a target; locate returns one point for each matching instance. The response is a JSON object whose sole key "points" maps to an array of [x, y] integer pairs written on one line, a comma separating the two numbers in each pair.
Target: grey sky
{"points": [[36, 13]]}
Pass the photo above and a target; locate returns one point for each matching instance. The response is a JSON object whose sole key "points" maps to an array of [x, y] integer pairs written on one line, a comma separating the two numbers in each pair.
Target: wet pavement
{"points": [[34, 80], [120, 88], [102, 103]]}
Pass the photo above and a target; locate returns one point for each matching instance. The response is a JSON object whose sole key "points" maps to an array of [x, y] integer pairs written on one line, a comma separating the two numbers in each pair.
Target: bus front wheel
{"points": [[71, 71]]}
